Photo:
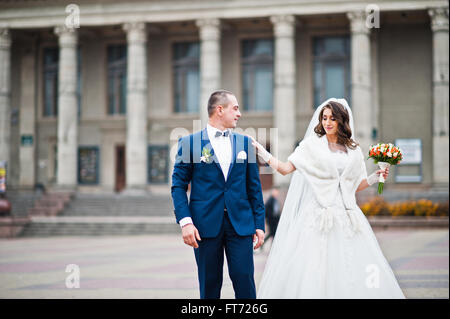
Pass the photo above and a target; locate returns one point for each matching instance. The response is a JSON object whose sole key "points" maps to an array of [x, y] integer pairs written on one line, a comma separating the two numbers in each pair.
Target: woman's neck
{"points": [[332, 138]]}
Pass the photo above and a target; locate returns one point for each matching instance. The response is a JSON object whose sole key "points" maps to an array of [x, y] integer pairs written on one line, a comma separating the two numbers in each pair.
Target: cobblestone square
{"points": [[162, 266]]}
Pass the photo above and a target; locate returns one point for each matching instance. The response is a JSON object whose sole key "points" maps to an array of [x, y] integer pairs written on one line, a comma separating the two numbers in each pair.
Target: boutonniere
{"points": [[206, 155]]}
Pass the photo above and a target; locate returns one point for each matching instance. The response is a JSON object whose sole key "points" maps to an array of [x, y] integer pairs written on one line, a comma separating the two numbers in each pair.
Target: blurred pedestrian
{"points": [[273, 212]]}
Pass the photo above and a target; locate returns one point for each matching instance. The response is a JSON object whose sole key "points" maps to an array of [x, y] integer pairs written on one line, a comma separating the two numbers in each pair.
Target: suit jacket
{"points": [[210, 194]]}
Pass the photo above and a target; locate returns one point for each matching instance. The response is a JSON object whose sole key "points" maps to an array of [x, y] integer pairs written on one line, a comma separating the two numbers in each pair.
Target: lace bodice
{"points": [[339, 153]]}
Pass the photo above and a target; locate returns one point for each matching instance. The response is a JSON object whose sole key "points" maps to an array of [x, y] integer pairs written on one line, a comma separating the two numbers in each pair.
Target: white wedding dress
{"points": [[307, 263]]}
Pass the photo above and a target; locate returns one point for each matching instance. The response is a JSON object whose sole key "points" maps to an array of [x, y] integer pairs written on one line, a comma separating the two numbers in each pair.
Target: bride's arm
{"points": [[363, 185], [372, 179], [283, 168]]}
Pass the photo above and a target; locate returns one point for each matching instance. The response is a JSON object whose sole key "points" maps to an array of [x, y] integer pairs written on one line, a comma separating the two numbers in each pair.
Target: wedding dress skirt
{"points": [[319, 254]]}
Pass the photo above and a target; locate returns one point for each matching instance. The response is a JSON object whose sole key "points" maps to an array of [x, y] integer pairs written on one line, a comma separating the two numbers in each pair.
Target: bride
{"points": [[324, 246]]}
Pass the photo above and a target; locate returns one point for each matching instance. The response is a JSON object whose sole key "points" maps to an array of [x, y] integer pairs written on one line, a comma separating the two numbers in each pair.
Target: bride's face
{"points": [[329, 122]]}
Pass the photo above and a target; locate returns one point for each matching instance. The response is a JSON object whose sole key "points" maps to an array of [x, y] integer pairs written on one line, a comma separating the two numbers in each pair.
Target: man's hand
{"points": [[190, 234], [260, 235]]}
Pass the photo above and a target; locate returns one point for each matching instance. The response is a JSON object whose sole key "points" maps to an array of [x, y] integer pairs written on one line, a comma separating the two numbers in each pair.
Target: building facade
{"points": [[94, 96]]}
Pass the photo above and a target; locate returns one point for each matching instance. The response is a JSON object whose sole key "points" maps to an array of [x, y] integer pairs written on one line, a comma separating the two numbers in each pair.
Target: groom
{"points": [[226, 208]]}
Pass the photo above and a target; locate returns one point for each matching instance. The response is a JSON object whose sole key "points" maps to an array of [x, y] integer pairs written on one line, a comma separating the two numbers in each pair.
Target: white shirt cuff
{"points": [[184, 221]]}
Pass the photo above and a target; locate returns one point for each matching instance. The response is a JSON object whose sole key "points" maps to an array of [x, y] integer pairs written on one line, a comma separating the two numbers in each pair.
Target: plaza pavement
{"points": [[162, 266]]}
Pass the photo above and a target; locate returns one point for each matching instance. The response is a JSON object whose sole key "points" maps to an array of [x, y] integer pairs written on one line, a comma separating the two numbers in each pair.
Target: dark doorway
{"points": [[120, 168], [265, 174]]}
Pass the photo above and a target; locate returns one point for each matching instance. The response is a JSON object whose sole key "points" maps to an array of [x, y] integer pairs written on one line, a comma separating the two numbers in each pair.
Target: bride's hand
{"points": [[385, 172], [373, 178], [261, 150]]}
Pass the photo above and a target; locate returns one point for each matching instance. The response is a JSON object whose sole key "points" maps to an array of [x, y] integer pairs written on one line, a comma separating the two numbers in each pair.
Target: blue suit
{"points": [[240, 195]]}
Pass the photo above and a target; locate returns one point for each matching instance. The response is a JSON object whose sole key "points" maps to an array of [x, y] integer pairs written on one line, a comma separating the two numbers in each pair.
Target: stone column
{"points": [[284, 90], [136, 147], [361, 101], [67, 108], [210, 63], [439, 25], [5, 94], [27, 125]]}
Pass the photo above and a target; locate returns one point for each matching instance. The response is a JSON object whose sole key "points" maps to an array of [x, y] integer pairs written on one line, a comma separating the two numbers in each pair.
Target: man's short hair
{"points": [[219, 97]]}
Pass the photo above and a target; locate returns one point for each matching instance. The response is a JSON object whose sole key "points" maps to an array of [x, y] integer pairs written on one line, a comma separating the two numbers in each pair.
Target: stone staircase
{"points": [[98, 226], [22, 201], [104, 214], [119, 205], [27, 203], [50, 204]]}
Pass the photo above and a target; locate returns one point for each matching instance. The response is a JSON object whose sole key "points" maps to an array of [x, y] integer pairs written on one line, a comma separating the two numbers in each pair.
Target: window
{"points": [[51, 66], [257, 74], [117, 79], [186, 76], [158, 163], [51, 59], [331, 68]]}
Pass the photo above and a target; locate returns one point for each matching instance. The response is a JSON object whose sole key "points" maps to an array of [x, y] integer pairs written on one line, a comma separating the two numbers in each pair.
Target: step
{"points": [[44, 211], [119, 205], [99, 226], [22, 201]]}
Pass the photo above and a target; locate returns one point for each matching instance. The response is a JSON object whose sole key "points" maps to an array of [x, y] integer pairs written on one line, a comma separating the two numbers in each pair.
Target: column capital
{"points": [[439, 19], [358, 22], [209, 29], [68, 37], [136, 32], [284, 25], [62, 30], [209, 22], [285, 18], [5, 38], [134, 26]]}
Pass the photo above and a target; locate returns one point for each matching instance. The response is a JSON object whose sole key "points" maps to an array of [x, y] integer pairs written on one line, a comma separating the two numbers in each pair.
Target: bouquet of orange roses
{"points": [[385, 154]]}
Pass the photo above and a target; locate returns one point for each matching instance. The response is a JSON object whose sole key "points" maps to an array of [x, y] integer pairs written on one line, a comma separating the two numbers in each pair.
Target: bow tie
{"points": [[218, 133]]}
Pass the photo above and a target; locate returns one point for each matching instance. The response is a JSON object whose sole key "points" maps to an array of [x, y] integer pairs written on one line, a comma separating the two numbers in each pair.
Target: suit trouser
{"points": [[239, 252]]}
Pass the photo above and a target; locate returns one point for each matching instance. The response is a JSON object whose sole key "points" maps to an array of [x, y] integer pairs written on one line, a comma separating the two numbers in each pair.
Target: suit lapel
{"points": [[233, 153], [207, 143]]}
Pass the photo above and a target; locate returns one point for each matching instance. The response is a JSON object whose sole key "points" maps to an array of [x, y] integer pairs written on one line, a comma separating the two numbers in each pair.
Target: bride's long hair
{"points": [[344, 131]]}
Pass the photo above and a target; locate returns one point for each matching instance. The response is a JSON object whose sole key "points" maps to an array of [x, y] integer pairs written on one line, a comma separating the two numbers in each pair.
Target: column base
{"points": [[440, 159], [135, 191], [63, 188]]}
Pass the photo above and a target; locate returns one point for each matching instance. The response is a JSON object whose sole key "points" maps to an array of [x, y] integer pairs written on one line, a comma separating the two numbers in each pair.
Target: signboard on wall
{"points": [[26, 140], [410, 168], [88, 164], [158, 163], [2, 177]]}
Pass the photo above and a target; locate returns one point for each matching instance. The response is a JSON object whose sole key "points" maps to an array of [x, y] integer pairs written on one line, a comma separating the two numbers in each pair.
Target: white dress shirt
{"points": [[222, 149]]}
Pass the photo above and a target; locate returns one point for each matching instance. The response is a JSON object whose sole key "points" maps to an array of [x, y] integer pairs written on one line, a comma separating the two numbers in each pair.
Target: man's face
{"points": [[230, 112]]}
